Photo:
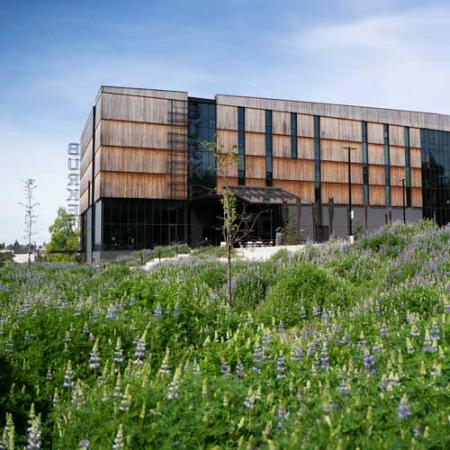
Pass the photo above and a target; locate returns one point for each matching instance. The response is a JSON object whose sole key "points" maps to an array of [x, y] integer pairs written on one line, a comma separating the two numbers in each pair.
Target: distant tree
{"points": [[30, 215], [64, 238], [6, 257], [2, 245]]}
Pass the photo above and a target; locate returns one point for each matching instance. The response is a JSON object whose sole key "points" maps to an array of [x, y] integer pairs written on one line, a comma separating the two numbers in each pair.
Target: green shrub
{"points": [[303, 287]]}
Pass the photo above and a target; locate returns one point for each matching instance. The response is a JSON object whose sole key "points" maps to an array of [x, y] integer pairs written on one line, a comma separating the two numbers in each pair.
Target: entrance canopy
{"points": [[264, 195]]}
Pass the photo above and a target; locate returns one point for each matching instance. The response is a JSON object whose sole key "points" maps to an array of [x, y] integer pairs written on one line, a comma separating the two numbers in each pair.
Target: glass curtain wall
{"points": [[435, 151]]}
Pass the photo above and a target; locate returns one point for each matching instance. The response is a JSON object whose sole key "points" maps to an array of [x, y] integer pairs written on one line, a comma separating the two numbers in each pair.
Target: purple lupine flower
{"points": [[384, 331], [266, 343], [86, 329], [224, 368], [111, 312], [324, 360], [297, 354], [94, 357], [317, 312], [369, 363], [249, 402], [240, 373], [435, 332], [34, 434], [68, 376], [139, 353], [118, 352], [49, 375], [344, 389], [257, 358], [281, 367], [131, 301], [303, 313], [281, 414], [404, 409], [157, 313], [84, 444]]}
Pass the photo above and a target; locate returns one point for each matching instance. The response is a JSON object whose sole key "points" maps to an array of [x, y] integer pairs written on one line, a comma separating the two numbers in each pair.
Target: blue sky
{"points": [[54, 55]]}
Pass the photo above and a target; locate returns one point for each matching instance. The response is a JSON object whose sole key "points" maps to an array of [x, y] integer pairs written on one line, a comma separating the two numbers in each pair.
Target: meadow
{"points": [[335, 347]]}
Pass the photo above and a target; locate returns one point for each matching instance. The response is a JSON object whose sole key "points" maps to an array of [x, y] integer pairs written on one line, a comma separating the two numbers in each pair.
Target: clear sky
{"points": [[54, 55]]}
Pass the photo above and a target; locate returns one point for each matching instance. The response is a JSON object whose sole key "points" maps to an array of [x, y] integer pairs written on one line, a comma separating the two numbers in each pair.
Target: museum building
{"points": [[147, 179]]}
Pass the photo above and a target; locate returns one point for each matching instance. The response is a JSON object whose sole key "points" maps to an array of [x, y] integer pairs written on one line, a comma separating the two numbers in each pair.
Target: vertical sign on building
{"points": [[73, 179]]}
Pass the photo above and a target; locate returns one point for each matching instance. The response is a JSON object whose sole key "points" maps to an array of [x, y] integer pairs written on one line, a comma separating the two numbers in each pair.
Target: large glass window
{"points": [[241, 145], [317, 172], [269, 169], [130, 224], [294, 135], [435, 151], [387, 165], [201, 128]]}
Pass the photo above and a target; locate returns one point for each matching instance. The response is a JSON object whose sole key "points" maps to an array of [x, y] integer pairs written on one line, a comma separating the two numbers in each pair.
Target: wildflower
{"points": [[84, 444], [240, 370], [225, 368], [257, 357], [68, 376], [174, 385], [157, 313], [281, 367], [119, 441], [67, 338], [344, 389], [49, 375], [435, 332], [249, 401], [384, 331], [111, 312], [118, 352], [281, 414], [85, 329], [94, 357], [317, 312], [165, 368], [176, 310], [34, 433], [296, 354], [9, 432], [369, 363], [429, 344], [324, 360], [266, 343], [303, 313], [404, 409], [131, 301], [125, 400], [195, 368], [139, 352]]}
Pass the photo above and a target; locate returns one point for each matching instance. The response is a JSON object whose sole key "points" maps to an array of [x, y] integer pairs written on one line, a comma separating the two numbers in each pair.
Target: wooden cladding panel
{"points": [[396, 196], [120, 159], [255, 120], [140, 135], [97, 166], [229, 181], [134, 185], [139, 109], [397, 135], [84, 202], [98, 136], [376, 154], [340, 129], [98, 186], [375, 133], [255, 144], [416, 158], [397, 156], [397, 173], [340, 193], [86, 134], [377, 195], [84, 181], [281, 146], [416, 177], [331, 150], [376, 175], [293, 169], [305, 125], [305, 148], [414, 137], [255, 167], [338, 172], [227, 117], [84, 162], [281, 123], [416, 196], [260, 182], [305, 190], [228, 139]]}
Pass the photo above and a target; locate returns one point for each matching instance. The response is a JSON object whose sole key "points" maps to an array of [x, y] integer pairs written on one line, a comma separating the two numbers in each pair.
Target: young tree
{"points": [[64, 238], [30, 215], [236, 224]]}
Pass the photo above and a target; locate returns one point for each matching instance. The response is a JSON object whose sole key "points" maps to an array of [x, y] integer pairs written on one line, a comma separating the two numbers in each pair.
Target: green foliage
{"points": [[338, 346], [291, 234], [6, 257], [304, 287], [64, 238]]}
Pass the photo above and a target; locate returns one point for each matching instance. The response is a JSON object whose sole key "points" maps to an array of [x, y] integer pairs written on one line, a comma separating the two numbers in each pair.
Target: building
{"points": [[147, 180]]}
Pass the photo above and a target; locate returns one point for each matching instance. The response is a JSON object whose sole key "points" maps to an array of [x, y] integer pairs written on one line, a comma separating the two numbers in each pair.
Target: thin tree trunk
{"points": [[229, 274]]}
